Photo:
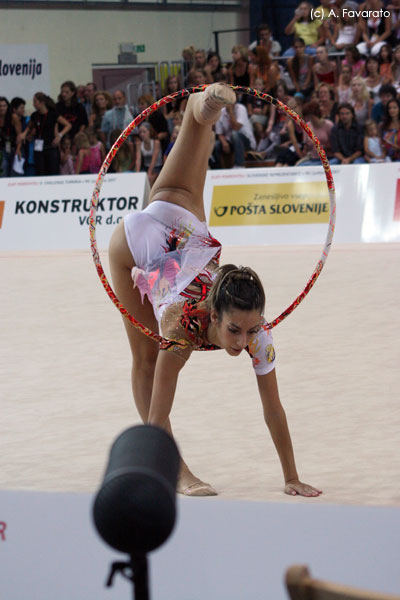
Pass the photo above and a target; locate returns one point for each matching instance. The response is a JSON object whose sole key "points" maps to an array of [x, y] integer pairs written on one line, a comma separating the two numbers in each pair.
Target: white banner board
{"points": [[24, 70], [291, 205], [52, 213]]}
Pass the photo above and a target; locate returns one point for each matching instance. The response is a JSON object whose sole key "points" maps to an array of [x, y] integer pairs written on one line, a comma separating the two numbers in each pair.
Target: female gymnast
{"points": [[171, 257]]}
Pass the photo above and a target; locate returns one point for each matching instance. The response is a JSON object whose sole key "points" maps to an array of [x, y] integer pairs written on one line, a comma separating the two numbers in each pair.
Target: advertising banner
{"points": [[291, 205], [52, 213], [24, 70]]}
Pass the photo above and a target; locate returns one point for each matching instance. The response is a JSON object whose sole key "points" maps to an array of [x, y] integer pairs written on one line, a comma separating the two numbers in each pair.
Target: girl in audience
{"points": [[71, 109], [360, 100], [10, 131], [97, 151], [300, 68], [324, 70], [290, 148], [373, 79], [375, 29], [124, 160], [101, 103], [353, 58], [67, 159], [214, 69], [148, 152], [391, 129], [172, 108], [262, 67], [238, 73], [321, 128], [304, 26], [396, 68], [374, 150], [326, 99], [47, 128], [385, 63], [346, 31], [344, 87], [174, 135], [82, 145]]}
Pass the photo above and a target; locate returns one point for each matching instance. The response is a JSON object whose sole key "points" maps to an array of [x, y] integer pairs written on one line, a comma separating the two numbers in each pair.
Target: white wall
{"points": [[78, 38]]}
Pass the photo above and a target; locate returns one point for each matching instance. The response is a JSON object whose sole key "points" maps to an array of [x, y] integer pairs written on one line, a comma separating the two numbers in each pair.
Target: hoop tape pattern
{"points": [[143, 115]]}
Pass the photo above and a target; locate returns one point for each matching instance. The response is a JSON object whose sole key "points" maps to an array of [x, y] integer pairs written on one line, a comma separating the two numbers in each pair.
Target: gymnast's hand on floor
{"points": [[296, 487]]}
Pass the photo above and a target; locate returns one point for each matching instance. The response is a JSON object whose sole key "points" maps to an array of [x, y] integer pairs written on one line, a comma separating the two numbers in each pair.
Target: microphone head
{"points": [[135, 508]]}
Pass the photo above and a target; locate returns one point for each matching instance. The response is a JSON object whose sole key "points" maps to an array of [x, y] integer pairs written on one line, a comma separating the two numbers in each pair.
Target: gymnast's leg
{"points": [[183, 175]]}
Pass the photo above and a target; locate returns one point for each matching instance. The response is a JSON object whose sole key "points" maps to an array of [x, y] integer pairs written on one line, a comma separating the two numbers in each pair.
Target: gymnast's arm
{"points": [[275, 418], [166, 374]]}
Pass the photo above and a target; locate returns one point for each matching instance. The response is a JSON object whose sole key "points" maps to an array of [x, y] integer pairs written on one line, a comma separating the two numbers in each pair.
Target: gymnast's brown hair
{"points": [[238, 288]]}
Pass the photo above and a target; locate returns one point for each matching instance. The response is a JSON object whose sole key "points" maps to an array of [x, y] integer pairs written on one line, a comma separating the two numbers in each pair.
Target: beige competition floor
{"points": [[65, 390]]}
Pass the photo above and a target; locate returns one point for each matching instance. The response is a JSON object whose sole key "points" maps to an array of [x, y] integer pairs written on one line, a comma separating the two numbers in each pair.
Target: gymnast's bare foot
{"points": [[189, 485]]}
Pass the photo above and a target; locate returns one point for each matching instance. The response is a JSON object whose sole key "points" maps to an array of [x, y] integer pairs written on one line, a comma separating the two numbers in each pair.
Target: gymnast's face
{"points": [[236, 328]]}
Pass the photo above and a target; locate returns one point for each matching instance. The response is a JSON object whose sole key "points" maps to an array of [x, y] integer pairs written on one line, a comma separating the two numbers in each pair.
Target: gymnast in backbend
{"points": [[167, 254]]}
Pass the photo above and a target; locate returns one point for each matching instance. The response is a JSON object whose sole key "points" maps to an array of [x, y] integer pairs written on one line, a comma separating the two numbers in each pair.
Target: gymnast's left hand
{"points": [[296, 487]]}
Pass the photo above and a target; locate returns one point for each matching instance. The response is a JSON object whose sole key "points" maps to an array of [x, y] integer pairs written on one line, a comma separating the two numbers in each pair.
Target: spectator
{"points": [[188, 60], [290, 139], [300, 68], [156, 120], [322, 130], [303, 26], [396, 68], [238, 73], [214, 69], [346, 31], [360, 100], [67, 159], [97, 151], [124, 160], [10, 132], [88, 93], [385, 63], [258, 109], [391, 129], [353, 58], [118, 117], [148, 152], [326, 100], [174, 135], [386, 92], [374, 150], [234, 133], [264, 38], [101, 103], [347, 138], [197, 77], [82, 144], [344, 89], [373, 79], [324, 70], [375, 29], [200, 59], [178, 105], [71, 109], [394, 8], [17, 106], [281, 92], [261, 66], [45, 125]]}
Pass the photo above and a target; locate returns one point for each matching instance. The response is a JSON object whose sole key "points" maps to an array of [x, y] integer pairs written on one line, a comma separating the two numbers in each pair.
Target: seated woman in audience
{"points": [[373, 79], [385, 63], [321, 128], [101, 103], [262, 66], [324, 69], [360, 100], [214, 69], [374, 149], [300, 68], [346, 31], [148, 152], [172, 85], [391, 129], [396, 68], [344, 87], [10, 132], [326, 100], [47, 128], [71, 109], [290, 148], [375, 29], [238, 73], [304, 26], [353, 58]]}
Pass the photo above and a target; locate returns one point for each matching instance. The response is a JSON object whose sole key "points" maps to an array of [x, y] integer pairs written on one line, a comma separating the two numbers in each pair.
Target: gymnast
{"points": [[166, 253]]}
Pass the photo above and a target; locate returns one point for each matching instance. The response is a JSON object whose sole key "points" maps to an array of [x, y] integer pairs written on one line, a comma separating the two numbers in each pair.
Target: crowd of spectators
{"points": [[341, 74]]}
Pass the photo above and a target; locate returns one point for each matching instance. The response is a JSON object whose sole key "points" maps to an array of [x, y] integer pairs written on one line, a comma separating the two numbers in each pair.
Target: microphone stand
{"points": [[136, 570]]}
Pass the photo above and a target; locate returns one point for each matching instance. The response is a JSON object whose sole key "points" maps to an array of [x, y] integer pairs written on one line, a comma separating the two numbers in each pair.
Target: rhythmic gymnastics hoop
{"points": [[143, 115]]}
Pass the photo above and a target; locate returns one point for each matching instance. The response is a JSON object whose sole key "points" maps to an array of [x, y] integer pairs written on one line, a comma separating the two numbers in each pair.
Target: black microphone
{"points": [[135, 508]]}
